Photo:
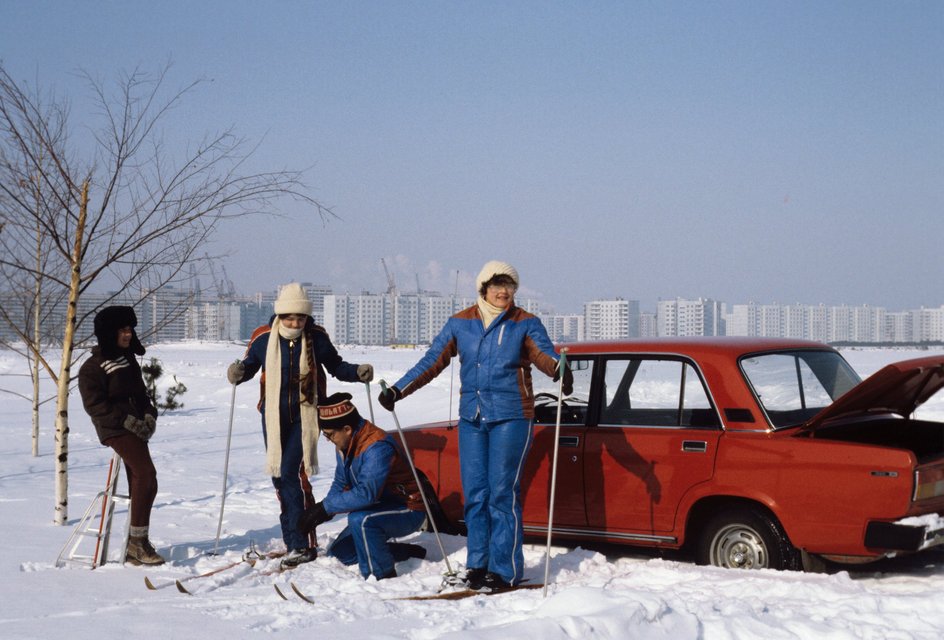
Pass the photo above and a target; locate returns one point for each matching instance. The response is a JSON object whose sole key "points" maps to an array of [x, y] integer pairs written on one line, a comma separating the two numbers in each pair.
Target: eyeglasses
{"points": [[507, 286], [330, 434]]}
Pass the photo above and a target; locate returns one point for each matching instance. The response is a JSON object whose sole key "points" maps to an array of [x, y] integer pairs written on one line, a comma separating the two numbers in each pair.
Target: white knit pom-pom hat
{"points": [[293, 299]]}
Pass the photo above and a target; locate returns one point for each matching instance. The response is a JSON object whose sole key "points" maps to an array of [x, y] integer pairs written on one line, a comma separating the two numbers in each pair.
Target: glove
{"points": [[365, 372], [235, 372], [137, 426], [150, 424], [568, 386], [388, 397], [312, 517]]}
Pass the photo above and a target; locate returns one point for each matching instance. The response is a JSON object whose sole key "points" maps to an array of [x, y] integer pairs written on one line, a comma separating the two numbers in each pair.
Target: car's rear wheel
{"points": [[745, 538]]}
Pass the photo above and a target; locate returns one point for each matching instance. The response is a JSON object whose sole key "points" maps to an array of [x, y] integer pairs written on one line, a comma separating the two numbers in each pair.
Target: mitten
{"points": [[365, 372], [388, 397], [235, 372]]}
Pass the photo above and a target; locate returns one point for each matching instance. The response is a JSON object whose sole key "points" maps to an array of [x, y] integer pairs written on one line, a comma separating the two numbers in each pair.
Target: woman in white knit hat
{"points": [[288, 403], [497, 343]]}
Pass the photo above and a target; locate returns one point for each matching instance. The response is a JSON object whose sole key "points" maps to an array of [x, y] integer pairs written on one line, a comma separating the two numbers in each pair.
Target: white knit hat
{"points": [[494, 268], [293, 299]]}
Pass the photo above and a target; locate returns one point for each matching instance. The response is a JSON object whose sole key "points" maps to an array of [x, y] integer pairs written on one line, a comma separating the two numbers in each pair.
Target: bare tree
{"points": [[122, 209]]}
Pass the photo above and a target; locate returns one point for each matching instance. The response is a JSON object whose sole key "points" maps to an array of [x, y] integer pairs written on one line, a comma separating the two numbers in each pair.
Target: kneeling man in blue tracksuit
{"points": [[373, 485]]}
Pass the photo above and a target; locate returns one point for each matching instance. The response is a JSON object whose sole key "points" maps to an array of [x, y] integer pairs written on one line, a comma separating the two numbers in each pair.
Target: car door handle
{"points": [[569, 441], [695, 446]]}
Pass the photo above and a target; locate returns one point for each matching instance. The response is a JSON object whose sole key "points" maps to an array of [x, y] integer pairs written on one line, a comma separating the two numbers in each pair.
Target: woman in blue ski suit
{"points": [[497, 343]]}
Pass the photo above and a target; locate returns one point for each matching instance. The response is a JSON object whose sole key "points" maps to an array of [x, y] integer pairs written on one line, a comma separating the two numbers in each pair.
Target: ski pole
{"points": [[229, 439], [416, 476], [370, 403], [562, 364], [452, 364]]}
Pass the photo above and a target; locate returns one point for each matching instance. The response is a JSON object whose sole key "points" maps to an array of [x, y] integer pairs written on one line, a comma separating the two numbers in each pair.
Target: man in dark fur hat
{"points": [[114, 396]]}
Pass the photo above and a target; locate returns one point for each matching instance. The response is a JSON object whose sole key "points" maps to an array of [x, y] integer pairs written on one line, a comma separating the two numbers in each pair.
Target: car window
{"points": [[794, 386], [574, 410], [654, 392]]}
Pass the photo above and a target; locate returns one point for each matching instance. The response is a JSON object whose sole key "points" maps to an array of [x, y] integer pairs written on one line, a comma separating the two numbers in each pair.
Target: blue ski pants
{"points": [[491, 461], [364, 539]]}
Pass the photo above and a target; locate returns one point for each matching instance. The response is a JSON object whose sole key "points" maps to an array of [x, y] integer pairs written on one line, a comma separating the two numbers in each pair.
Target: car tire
{"points": [[745, 538]]}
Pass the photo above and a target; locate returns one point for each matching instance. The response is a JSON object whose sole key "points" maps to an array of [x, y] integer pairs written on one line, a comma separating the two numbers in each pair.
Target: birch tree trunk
{"points": [[62, 398]]}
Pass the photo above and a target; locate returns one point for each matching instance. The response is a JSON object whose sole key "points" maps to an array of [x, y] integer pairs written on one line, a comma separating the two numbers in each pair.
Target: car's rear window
{"points": [[794, 386]]}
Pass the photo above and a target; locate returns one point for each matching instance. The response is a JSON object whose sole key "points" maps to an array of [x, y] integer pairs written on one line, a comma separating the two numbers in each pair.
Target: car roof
{"points": [[693, 346]]}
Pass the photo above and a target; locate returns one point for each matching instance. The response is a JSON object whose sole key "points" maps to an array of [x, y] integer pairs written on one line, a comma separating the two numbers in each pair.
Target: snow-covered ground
{"points": [[622, 594]]}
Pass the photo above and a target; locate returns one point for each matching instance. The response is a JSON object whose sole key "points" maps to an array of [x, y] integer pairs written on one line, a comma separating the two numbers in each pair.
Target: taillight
{"points": [[929, 483]]}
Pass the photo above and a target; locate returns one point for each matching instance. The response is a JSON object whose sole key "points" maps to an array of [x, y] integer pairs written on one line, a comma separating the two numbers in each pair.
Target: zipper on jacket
{"points": [[501, 333], [291, 359]]}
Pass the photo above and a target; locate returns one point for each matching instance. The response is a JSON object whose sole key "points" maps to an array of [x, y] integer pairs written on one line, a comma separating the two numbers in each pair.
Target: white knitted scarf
{"points": [[308, 411], [488, 311]]}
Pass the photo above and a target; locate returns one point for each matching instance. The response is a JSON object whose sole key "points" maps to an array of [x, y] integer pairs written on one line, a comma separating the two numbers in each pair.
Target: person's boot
{"points": [[296, 557], [492, 582], [140, 551], [474, 578], [404, 551]]}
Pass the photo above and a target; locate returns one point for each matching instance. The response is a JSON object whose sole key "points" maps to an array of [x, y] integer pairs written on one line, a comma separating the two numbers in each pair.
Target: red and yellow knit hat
{"points": [[337, 411]]}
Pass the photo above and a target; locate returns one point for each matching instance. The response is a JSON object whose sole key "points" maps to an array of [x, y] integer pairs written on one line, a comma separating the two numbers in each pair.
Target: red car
{"points": [[755, 452]]}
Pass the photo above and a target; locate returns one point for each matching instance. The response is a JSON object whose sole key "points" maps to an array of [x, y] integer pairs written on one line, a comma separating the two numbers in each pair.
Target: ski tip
{"points": [[181, 588], [300, 594], [279, 591], [149, 584]]}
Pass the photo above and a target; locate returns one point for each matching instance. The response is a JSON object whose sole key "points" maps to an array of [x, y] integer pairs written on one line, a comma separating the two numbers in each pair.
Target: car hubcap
{"points": [[739, 547]]}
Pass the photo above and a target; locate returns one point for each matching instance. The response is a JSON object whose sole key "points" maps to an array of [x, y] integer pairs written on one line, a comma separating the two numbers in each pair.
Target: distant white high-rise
{"points": [[565, 328], [614, 319], [681, 317]]}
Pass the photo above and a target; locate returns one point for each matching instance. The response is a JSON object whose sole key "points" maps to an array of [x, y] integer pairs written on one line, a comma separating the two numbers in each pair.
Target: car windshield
{"points": [[794, 386]]}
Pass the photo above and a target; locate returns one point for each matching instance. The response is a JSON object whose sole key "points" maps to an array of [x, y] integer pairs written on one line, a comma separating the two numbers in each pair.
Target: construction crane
{"points": [[391, 283], [226, 285]]}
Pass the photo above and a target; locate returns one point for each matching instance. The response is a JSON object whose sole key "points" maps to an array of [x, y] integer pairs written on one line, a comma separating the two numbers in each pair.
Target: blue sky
{"points": [[757, 150]]}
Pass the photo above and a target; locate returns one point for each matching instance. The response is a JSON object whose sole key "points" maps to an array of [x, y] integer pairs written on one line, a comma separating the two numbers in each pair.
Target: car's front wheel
{"points": [[745, 538]]}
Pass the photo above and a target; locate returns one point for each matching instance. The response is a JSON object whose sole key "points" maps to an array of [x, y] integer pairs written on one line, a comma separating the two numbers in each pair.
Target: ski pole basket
{"points": [[96, 524]]}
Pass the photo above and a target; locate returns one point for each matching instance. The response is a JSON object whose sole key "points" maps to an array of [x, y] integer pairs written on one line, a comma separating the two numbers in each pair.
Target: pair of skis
{"points": [[253, 556], [250, 558]]}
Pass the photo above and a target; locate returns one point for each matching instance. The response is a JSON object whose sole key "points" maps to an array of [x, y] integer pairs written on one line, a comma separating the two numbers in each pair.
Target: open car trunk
{"points": [[923, 438], [878, 410]]}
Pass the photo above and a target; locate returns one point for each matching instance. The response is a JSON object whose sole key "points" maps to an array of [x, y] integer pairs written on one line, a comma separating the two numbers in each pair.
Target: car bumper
{"points": [[909, 534]]}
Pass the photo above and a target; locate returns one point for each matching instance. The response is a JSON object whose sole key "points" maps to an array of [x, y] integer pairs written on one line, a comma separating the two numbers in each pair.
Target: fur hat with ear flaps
{"points": [[107, 323]]}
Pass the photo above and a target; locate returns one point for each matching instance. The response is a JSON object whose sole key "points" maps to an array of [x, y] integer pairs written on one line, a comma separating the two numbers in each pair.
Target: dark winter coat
{"points": [[495, 363], [111, 390], [370, 471]]}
